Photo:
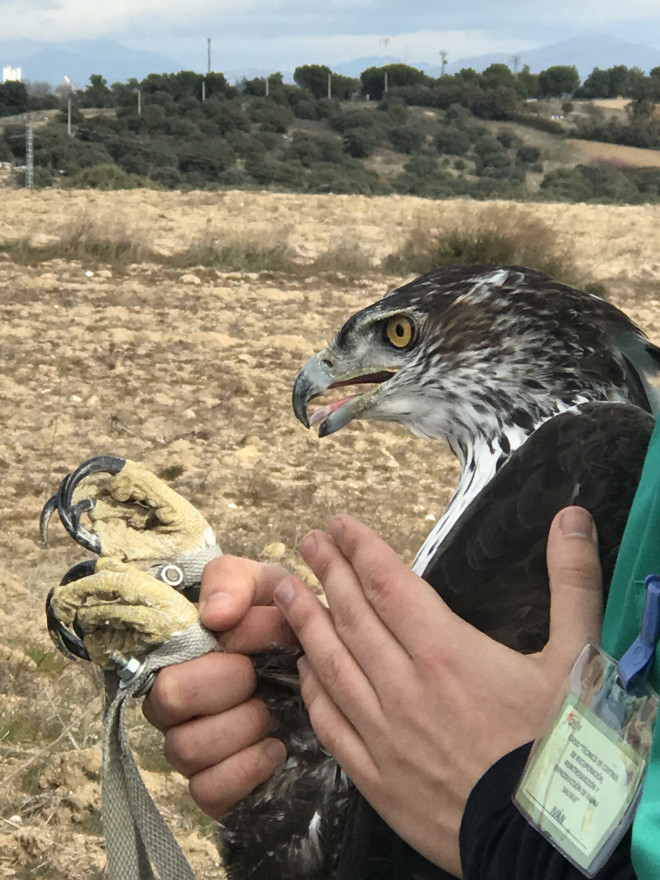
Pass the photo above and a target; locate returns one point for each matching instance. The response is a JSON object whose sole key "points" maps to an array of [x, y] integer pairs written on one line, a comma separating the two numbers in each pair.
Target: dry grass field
{"points": [[168, 328], [616, 154]]}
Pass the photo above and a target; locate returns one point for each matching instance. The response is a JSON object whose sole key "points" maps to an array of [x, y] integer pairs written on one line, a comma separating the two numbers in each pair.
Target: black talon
{"points": [[70, 643], [79, 570], [70, 513], [49, 509]]}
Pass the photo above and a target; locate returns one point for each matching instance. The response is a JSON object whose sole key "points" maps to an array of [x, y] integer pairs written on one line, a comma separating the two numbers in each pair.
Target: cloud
{"points": [[281, 33]]}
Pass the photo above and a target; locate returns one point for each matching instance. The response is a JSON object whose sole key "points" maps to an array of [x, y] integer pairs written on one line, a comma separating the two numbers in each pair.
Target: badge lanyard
{"points": [[584, 777]]}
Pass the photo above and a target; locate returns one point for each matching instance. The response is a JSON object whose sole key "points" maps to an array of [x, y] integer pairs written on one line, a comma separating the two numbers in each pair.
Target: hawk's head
{"points": [[473, 353]]}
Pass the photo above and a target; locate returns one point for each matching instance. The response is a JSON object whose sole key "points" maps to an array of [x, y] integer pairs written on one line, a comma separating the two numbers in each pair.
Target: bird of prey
{"points": [[546, 395]]}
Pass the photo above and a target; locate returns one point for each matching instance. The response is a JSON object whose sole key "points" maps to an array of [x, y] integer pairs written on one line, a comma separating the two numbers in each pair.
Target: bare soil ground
{"points": [[190, 372]]}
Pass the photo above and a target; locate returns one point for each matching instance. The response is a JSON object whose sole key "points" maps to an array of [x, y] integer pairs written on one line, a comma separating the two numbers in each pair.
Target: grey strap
{"points": [[138, 840], [185, 570]]}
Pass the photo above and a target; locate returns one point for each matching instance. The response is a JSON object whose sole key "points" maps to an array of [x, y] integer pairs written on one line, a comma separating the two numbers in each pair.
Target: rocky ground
{"points": [[190, 371]]}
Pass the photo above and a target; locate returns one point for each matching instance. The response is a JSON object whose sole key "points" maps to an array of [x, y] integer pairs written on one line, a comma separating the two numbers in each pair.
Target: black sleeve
{"points": [[497, 843]]}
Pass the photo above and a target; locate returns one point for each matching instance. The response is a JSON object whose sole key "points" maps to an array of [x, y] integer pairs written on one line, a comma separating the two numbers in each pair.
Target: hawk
{"points": [[545, 394]]}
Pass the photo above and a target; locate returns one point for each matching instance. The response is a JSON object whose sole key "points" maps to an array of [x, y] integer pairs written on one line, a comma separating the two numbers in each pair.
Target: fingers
{"points": [[262, 629], [402, 600], [329, 657], [206, 741], [358, 626], [230, 585], [205, 686], [216, 734], [217, 788], [236, 600], [333, 729], [576, 609]]}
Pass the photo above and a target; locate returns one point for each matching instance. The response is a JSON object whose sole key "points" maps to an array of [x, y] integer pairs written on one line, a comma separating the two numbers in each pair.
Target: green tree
{"points": [[527, 83], [596, 85], [97, 93], [468, 74], [497, 76], [499, 103], [554, 82], [344, 87], [618, 81], [313, 77], [373, 79], [13, 98]]}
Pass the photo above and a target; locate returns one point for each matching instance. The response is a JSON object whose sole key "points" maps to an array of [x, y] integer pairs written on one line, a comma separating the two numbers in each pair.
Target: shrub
{"points": [[361, 142], [452, 141], [405, 139], [487, 146], [271, 116], [421, 166], [458, 114], [307, 109], [107, 177], [506, 139], [233, 252], [496, 234], [528, 155], [591, 183], [343, 120], [395, 107]]}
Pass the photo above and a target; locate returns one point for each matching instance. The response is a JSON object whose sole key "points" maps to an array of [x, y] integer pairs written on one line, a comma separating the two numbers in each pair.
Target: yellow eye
{"points": [[399, 331]]}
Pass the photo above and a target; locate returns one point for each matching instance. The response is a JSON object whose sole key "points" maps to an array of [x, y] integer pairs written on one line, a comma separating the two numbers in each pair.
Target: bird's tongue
{"points": [[325, 411]]}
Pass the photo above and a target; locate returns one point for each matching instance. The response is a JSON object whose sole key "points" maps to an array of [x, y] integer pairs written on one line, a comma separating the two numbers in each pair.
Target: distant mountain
{"points": [[78, 60], [585, 52], [50, 62]]}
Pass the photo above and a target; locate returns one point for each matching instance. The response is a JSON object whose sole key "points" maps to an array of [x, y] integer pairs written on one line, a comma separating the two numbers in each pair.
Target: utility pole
{"points": [[443, 63], [329, 85], [267, 78], [516, 62], [139, 94], [29, 159], [208, 55], [385, 85], [204, 89], [68, 116]]}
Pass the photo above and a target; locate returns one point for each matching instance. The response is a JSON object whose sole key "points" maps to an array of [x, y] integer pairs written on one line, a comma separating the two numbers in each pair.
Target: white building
{"points": [[11, 74]]}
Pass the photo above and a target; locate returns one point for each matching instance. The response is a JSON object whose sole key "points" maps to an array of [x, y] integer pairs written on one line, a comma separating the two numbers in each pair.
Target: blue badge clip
{"points": [[634, 666]]}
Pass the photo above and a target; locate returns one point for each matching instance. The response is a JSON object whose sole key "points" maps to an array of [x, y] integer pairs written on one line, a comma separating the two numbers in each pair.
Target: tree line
{"points": [[189, 131], [320, 81]]}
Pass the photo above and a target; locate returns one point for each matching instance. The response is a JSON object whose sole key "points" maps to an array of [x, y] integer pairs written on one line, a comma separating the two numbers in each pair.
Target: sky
{"points": [[280, 34]]}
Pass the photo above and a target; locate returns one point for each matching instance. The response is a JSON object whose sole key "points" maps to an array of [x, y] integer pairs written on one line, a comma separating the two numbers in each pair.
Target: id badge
{"points": [[583, 779]]}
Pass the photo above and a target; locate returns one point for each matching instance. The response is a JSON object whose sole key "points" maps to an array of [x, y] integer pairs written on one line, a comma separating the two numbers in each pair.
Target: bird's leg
{"points": [[106, 608], [135, 516]]}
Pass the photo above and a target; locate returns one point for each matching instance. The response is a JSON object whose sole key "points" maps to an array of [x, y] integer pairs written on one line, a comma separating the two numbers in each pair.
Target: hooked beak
{"points": [[315, 378]]}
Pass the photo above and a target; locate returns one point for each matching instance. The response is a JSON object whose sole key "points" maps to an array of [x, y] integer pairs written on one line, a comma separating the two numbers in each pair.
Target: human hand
{"points": [[216, 731], [413, 702]]}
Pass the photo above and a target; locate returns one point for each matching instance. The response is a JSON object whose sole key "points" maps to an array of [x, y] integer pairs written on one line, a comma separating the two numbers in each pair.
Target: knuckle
{"points": [[168, 695], [181, 750], [219, 569], [579, 574], [330, 674], [346, 618]]}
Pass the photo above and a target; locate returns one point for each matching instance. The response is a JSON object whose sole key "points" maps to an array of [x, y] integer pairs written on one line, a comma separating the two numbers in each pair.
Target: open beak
{"points": [[317, 377]]}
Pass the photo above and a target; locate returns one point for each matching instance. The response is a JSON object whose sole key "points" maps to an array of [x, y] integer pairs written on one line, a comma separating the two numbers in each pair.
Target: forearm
{"points": [[497, 843]]}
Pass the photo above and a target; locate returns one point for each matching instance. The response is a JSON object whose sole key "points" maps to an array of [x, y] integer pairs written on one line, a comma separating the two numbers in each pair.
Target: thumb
{"points": [[576, 587]]}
